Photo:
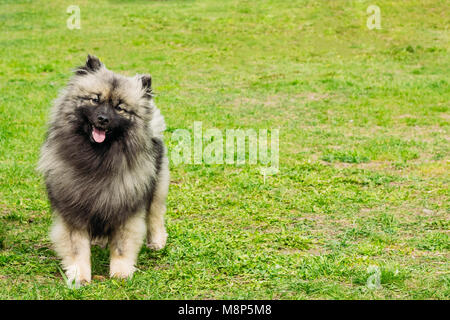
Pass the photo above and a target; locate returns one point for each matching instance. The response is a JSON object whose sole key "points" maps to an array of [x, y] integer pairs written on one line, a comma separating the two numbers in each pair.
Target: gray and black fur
{"points": [[94, 187]]}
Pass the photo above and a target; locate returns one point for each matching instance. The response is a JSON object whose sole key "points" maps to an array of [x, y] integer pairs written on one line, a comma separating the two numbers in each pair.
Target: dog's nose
{"points": [[102, 119]]}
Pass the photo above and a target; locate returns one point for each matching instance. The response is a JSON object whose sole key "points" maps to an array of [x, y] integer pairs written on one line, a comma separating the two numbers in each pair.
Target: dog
{"points": [[106, 170]]}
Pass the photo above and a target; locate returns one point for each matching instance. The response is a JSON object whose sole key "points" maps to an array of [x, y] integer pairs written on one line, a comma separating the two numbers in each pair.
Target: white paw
{"points": [[121, 268], [158, 241], [75, 277]]}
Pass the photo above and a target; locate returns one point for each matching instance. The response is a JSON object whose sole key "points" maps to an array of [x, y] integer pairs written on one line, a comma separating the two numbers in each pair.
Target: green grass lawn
{"points": [[364, 145]]}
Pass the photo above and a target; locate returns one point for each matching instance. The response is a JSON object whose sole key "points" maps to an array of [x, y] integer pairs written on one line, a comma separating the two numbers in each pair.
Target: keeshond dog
{"points": [[105, 169]]}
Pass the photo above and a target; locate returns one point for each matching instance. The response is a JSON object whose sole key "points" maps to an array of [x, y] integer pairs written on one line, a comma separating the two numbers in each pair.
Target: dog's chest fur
{"points": [[106, 190]]}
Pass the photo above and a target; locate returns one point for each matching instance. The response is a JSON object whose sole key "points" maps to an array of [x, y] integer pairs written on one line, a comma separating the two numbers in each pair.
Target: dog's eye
{"points": [[120, 108], [95, 99]]}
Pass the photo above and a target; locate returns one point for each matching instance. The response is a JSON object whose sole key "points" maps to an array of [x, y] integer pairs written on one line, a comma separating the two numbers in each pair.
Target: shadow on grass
{"points": [[100, 261]]}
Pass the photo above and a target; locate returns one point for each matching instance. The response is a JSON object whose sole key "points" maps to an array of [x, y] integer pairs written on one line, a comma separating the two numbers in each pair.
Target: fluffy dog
{"points": [[105, 169]]}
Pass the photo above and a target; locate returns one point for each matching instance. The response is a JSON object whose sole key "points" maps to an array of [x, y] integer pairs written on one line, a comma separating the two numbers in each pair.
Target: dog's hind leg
{"points": [[156, 231], [125, 244], [73, 246]]}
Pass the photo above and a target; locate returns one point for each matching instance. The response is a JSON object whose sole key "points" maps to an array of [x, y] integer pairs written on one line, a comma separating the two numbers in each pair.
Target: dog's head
{"points": [[104, 105]]}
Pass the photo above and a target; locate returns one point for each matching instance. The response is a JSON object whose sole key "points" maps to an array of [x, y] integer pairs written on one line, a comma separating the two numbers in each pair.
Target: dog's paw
{"points": [[76, 278], [121, 269], [157, 242]]}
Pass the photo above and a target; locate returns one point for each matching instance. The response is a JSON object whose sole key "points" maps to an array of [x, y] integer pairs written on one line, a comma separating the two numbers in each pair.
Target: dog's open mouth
{"points": [[98, 135]]}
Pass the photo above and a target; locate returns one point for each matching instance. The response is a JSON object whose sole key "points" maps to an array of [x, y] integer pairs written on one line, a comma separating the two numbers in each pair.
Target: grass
{"points": [[364, 145]]}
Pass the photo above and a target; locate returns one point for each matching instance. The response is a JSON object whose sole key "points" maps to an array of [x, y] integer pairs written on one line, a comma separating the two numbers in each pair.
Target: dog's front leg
{"points": [[125, 244], [73, 246], [156, 231]]}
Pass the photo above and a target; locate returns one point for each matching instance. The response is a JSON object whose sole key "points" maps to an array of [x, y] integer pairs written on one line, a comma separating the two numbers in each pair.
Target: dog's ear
{"points": [[146, 81], [92, 64]]}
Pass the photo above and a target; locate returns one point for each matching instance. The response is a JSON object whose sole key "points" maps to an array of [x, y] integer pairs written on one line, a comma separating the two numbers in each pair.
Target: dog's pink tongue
{"points": [[98, 135]]}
